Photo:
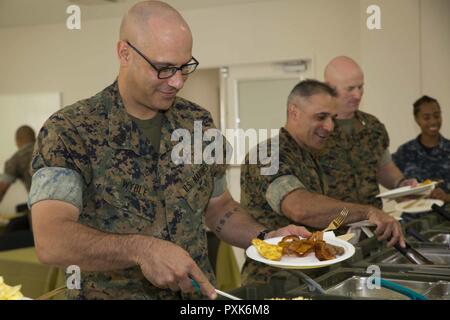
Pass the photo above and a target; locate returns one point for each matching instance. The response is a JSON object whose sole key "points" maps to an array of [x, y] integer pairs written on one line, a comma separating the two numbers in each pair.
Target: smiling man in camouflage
{"points": [[106, 195], [297, 193]]}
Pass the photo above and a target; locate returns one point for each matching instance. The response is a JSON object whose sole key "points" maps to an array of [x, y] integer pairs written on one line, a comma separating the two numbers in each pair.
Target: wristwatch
{"points": [[262, 235]]}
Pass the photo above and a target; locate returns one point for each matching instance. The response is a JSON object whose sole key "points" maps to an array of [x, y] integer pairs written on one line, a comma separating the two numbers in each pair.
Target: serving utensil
{"points": [[401, 289], [441, 211], [51, 294], [412, 254], [227, 295], [219, 292]]}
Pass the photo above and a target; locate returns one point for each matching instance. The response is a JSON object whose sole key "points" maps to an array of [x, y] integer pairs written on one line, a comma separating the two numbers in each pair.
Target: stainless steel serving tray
{"points": [[439, 256], [352, 283]]}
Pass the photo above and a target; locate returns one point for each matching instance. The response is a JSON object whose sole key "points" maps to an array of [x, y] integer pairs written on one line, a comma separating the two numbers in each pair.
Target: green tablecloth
{"points": [[227, 270], [21, 266]]}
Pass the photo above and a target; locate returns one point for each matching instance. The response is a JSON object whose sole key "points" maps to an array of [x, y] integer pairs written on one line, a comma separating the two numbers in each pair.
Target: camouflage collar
{"points": [[443, 143], [359, 126], [125, 134], [292, 144]]}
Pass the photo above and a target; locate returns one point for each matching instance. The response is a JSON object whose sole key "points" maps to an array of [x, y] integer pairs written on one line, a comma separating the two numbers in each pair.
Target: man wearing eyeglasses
{"points": [[106, 195]]}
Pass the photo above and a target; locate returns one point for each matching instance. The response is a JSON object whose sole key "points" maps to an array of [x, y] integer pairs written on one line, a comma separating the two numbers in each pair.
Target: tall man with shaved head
{"points": [[357, 158], [297, 193], [106, 194]]}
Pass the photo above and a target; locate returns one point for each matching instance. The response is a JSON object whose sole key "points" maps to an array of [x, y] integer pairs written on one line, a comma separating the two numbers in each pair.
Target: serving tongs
{"points": [[312, 285], [417, 235], [219, 292], [413, 255], [441, 211], [413, 295]]}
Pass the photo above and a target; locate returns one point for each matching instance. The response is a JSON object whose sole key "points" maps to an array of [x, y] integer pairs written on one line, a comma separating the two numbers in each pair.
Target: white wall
{"points": [[276, 30], [203, 88], [435, 54], [79, 63], [391, 60], [52, 58]]}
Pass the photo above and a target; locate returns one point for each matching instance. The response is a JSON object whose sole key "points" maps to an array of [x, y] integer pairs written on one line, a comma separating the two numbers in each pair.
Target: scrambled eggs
{"points": [[8, 292], [267, 250]]}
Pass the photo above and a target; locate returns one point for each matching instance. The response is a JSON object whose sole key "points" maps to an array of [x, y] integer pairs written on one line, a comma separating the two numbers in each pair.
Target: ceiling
{"points": [[14, 13]]}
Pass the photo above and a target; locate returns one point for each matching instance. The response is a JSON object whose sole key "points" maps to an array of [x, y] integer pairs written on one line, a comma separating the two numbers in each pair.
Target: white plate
{"points": [[407, 191], [308, 262], [420, 205]]}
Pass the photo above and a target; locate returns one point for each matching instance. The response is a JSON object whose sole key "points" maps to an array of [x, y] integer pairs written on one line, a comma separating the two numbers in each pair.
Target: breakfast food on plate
{"points": [[294, 246], [9, 292], [267, 250], [426, 182]]}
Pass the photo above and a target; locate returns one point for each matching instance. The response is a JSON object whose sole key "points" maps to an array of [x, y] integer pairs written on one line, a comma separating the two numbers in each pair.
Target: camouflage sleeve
{"points": [[385, 137], [53, 183], [60, 145], [61, 151], [280, 188], [385, 158], [400, 158], [217, 149]]}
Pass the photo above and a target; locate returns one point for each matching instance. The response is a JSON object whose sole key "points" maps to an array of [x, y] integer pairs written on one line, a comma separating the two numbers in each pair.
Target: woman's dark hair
{"points": [[421, 101]]}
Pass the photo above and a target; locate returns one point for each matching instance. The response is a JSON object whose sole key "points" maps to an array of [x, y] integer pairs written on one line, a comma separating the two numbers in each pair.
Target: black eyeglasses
{"points": [[169, 71]]}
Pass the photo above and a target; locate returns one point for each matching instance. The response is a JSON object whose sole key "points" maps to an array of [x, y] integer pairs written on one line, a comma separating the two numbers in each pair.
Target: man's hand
{"points": [[387, 227], [289, 230], [440, 194], [408, 182], [168, 266]]}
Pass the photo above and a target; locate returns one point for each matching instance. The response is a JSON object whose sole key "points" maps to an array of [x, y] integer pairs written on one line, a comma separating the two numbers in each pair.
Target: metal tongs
{"points": [[441, 211], [412, 254], [219, 292], [417, 235]]}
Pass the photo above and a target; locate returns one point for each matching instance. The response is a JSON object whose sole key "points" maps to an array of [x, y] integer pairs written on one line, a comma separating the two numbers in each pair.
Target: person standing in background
{"points": [[356, 158], [18, 166], [428, 155], [297, 193], [18, 233]]}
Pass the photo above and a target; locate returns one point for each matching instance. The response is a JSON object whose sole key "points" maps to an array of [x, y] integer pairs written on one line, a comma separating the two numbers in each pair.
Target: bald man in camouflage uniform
{"points": [[110, 193], [18, 166], [297, 192], [357, 158]]}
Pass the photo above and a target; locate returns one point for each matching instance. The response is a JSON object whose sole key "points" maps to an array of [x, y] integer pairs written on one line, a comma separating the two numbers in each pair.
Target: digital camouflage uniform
{"points": [[351, 160], [127, 187], [18, 166], [416, 162], [262, 195]]}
